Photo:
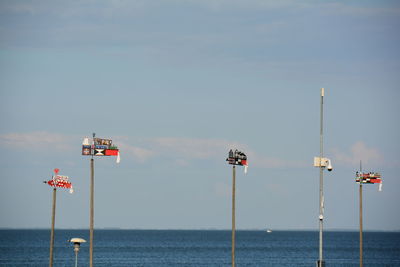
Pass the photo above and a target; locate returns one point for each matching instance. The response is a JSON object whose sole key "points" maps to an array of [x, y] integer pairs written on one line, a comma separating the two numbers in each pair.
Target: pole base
{"points": [[320, 263]]}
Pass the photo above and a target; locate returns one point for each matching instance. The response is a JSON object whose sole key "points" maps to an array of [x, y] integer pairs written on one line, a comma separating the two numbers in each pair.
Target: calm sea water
{"points": [[198, 248]]}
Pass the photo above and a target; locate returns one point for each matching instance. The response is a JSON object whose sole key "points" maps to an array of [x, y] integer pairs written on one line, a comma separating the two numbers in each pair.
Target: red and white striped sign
{"points": [[369, 178], [61, 181]]}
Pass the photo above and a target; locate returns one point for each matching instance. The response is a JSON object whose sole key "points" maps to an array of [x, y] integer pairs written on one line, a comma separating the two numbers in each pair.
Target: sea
{"points": [[195, 248]]}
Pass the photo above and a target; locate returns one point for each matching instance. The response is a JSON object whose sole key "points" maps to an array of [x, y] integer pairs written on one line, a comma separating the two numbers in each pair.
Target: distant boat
{"points": [[269, 231]]}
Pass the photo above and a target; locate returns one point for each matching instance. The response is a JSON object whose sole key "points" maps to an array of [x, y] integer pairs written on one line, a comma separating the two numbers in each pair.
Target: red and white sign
{"points": [[61, 181]]}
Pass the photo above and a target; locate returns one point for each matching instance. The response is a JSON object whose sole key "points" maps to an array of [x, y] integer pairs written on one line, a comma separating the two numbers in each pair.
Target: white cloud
{"points": [[180, 150], [37, 140], [358, 151], [140, 155], [264, 161], [183, 150], [195, 147]]}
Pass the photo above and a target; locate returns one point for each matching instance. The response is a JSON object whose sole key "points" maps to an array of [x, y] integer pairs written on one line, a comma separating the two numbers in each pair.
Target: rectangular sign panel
{"points": [[102, 142], [99, 152], [99, 147], [86, 150], [111, 152]]}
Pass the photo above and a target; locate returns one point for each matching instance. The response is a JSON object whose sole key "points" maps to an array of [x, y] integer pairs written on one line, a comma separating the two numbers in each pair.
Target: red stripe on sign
{"points": [[62, 184], [112, 152], [376, 181]]}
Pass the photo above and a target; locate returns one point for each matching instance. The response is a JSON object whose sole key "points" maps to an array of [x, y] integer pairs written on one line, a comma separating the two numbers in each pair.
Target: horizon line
{"points": [[204, 229]]}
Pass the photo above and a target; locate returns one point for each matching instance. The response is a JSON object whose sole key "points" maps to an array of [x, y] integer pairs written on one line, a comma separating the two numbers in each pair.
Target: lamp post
{"points": [[56, 181], [365, 178], [98, 147], [235, 158], [77, 244], [321, 163]]}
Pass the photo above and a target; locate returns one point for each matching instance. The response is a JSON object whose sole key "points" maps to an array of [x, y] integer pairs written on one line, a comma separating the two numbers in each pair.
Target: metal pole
{"points": [[361, 223], [91, 211], [361, 228], [53, 218], [321, 183], [76, 258], [233, 214]]}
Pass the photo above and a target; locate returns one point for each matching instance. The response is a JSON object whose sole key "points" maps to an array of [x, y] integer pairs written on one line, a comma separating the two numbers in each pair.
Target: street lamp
{"points": [[235, 158], [77, 244], [98, 147], [365, 178], [56, 181]]}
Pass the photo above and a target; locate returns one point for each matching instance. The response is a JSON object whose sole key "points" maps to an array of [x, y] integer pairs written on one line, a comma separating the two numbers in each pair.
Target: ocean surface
{"points": [[198, 248]]}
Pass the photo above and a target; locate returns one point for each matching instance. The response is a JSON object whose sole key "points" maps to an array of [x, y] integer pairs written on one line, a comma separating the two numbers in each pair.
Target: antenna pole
{"points": [[321, 262]]}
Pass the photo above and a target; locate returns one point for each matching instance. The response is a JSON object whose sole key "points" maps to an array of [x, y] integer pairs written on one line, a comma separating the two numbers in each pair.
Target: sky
{"points": [[176, 84]]}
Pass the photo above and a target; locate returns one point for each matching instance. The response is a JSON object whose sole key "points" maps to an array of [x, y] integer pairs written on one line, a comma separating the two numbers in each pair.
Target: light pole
{"points": [[235, 158], [77, 244], [56, 181], [365, 178], [321, 163], [98, 147]]}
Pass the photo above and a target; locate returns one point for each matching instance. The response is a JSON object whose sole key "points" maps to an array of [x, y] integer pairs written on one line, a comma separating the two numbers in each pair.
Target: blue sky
{"points": [[176, 84]]}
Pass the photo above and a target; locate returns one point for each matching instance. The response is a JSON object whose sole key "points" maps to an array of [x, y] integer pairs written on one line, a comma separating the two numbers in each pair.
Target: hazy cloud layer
{"points": [[186, 149], [41, 141], [176, 149], [358, 151]]}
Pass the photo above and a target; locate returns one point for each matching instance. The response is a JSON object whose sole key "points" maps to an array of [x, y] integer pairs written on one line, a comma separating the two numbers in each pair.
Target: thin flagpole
{"points": [[233, 214], [91, 209]]}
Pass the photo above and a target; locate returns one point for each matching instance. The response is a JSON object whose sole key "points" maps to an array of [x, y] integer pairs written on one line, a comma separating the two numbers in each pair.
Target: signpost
{"points": [[365, 178], [98, 147], [62, 182], [235, 158]]}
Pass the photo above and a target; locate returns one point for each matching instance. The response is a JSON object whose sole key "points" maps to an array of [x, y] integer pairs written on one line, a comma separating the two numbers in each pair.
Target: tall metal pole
{"points": [[321, 183], [76, 258], [233, 214], [53, 218], [361, 223], [91, 211]]}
